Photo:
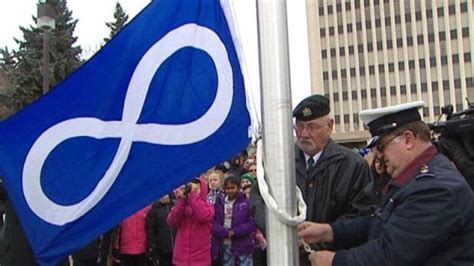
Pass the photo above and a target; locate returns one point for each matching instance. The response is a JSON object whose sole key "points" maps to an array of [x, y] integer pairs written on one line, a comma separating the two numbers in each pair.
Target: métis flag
{"points": [[157, 106]]}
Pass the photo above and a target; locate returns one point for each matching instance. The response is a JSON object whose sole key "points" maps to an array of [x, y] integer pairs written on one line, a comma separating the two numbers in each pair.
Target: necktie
{"points": [[310, 165]]}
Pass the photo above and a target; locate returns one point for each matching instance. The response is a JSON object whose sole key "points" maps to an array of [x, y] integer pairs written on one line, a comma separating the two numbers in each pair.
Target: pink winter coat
{"points": [[193, 220], [133, 238]]}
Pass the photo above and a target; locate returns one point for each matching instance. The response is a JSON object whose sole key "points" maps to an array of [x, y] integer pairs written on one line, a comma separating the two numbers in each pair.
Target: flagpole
{"points": [[277, 130]]}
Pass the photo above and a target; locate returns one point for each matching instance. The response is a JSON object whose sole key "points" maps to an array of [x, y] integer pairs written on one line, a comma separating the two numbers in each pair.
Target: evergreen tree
{"points": [[120, 20], [26, 77]]}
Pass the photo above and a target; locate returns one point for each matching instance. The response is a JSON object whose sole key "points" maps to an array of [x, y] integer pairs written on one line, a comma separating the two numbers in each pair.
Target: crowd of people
{"points": [[403, 204]]}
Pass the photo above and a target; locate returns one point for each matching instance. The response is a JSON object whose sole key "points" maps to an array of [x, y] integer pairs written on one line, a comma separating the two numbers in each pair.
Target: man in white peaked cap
{"points": [[426, 216]]}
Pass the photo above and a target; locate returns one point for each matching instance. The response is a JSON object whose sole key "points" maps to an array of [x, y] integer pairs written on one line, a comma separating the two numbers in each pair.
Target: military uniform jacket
{"points": [[334, 188], [425, 218]]}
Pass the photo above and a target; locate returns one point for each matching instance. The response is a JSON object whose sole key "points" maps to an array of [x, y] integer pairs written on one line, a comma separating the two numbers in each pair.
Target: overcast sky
{"points": [[91, 29]]}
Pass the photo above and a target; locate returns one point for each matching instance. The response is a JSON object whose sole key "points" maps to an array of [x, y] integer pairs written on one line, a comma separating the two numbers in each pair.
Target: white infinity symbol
{"points": [[188, 35]]}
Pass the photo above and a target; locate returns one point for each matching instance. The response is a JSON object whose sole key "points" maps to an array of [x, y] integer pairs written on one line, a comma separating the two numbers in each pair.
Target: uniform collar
{"points": [[418, 165]]}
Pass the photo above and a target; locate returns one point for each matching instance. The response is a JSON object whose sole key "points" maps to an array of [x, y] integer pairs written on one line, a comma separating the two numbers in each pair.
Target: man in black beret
{"points": [[426, 216], [331, 177]]}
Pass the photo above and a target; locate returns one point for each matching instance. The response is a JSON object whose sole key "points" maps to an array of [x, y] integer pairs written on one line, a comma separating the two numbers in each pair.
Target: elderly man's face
{"points": [[313, 135]]}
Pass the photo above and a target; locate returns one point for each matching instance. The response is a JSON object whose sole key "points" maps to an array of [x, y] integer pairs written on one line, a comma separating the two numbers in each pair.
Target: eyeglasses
{"points": [[312, 127], [381, 146]]}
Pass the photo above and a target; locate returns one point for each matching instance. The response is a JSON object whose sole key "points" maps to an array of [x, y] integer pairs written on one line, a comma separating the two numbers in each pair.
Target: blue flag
{"points": [[157, 106]]}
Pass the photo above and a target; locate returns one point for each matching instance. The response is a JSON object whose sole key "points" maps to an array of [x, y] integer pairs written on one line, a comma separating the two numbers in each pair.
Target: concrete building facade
{"points": [[376, 53]]}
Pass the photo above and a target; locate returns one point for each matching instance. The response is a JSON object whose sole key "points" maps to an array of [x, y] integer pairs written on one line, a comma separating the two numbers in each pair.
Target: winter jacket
{"points": [[133, 238], [243, 225], [425, 218], [192, 217], [334, 188], [161, 237]]}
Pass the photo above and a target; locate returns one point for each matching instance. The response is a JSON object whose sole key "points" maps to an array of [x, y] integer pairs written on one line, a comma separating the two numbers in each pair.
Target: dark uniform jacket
{"points": [[160, 235], [425, 218], [334, 188]]}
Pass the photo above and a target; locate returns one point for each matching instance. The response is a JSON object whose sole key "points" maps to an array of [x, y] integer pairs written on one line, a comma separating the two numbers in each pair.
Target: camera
{"points": [[455, 139], [187, 189]]}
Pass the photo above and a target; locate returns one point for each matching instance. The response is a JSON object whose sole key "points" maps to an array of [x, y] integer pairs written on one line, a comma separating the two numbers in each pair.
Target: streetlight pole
{"points": [[46, 23]]}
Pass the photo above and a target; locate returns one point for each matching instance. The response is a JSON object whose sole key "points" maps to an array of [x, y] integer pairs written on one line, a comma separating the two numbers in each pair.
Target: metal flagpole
{"points": [[277, 127]]}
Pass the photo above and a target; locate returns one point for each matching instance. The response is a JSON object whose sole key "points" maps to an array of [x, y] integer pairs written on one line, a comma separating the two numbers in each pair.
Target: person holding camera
{"points": [[192, 216], [426, 215]]}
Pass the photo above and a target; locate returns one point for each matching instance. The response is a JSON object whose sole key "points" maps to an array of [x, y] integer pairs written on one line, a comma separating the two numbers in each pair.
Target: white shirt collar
{"points": [[315, 157]]}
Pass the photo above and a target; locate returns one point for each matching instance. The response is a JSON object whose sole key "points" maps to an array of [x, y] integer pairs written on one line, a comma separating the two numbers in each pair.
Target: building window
{"points": [[389, 44], [401, 66], [408, 17], [418, 16], [378, 23], [322, 32], [411, 64], [335, 97], [324, 54], [348, 6], [399, 42], [393, 90], [370, 47], [349, 27], [343, 73], [467, 57], [373, 91], [422, 63], [465, 32], [442, 36], [398, 19], [432, 61], [340, 29], [366, 3], [363, 94], [353, 72], [354, 95], [413, 88], [359, 25], [321, 11], [440, 12], [429, 13], [334, 74], [351, 49], [368, 25], [391, 67], [446, 85], [325, 75], [424, 87], [454, 34], [331, 31], [342, 51], [339, 7], [329, 9], [381, 68], [431, 37], [344, 96], [434, 86], [409, 41], [419, 38], [470, 82], [362, 71], [360, 48], [388, 22], [455, 59], [403, 89], [452, 9], [444, 60], [457, 83], [383, 92], [379, 46], [357, 3], [372, 70], [333, 52], [463, 7]]}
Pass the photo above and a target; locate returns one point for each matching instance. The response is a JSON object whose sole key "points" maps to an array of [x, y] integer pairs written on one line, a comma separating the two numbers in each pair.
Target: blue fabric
{"points": [[76, 134]]}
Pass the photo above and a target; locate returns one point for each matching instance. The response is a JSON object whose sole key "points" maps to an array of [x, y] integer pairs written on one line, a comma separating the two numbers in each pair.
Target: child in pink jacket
{"points": [[133, 238], [192, 216]]}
